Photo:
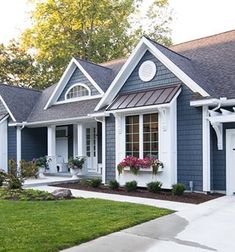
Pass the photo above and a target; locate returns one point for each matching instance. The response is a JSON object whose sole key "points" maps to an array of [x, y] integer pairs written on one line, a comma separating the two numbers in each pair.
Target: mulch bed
{"points": [[194, 198]]}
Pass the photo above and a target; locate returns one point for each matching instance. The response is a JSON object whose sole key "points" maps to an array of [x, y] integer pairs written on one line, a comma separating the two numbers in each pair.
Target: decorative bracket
{"points": [[163, 113], [218, 127]]}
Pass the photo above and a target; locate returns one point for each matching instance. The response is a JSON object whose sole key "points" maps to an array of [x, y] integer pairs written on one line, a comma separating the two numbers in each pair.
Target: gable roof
{"points": [[18, 101], [160, 53], [214, 59]]}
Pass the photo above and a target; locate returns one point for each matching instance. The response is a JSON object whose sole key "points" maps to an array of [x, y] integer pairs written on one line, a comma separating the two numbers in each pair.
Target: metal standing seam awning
{"points": [[149, 97]]}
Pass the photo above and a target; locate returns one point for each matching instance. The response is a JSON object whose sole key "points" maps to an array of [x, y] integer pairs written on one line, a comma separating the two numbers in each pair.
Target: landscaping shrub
{"points": [[131, 186], [114, 185], [96, 182], [14, 181], [12, 167], [178, 189], [28, 169], [154, 187], [2, 177]]}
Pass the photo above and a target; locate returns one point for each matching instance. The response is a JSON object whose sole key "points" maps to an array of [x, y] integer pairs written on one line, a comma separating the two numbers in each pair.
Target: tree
{"points": [[95, 30]]}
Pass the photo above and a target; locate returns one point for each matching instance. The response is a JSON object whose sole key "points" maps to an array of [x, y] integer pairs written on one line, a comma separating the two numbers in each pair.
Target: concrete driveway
{"points": [[206, 227]]}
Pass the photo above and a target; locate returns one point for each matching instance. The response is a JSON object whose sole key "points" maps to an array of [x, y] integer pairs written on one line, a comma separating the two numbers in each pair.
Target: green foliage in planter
{"points": [[95, 182], [76, 163], [131, 186], [154, 187], [28, 169], [114, 185], [178, 189]]}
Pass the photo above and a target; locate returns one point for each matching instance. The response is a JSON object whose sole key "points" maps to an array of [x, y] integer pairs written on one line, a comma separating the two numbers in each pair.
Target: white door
{"points": [[62, 149], [230, 161], [91, 149]]}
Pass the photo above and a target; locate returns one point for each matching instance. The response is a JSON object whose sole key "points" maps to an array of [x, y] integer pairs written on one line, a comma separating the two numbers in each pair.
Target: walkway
{"points": [[177, 206], [203, 228]]}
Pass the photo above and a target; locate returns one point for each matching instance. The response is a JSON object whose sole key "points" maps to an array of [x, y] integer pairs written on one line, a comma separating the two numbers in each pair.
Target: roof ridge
{"points": [[95, 64], [168, 48], [206, 37], [26, 88]]}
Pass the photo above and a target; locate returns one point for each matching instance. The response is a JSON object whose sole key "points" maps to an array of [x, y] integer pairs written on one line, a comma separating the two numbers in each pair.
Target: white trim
{"points": [[51, 147], [4, 118], [51, 121], [4, 144], [75, 141], [230, 171], [18, 146], [65, 78], [213, 102], [7, 108], [82, 98], [88, 76], [75, 85], [131, 63], [222, 118], [206, 150], [103, 151]]}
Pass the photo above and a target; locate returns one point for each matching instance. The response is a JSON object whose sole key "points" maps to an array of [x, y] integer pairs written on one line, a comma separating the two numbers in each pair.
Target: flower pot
{"points": [[41, 171], [75, 172]]}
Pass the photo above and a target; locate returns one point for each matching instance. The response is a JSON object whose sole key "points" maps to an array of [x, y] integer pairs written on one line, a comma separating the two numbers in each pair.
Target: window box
{"points": [[150, 169]]}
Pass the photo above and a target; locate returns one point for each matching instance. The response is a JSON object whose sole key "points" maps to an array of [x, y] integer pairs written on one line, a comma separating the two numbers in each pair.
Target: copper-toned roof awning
{"points": [[160, 95]]}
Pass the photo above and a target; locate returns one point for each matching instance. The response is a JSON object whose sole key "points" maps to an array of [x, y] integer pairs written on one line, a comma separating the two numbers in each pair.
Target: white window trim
{"points": [[77, 98], [141, 131]]}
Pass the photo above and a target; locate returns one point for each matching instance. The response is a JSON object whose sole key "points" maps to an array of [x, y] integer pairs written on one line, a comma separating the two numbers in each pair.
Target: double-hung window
{"points": [[142, 135]]}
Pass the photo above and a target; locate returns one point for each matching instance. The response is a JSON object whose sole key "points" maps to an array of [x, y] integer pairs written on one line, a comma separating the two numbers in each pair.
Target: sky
{"points": [[191, 18]]}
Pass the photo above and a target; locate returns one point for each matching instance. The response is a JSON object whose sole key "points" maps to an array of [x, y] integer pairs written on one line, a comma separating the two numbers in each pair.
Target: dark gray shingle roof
{"points": [[62, 111], [19, 100]]}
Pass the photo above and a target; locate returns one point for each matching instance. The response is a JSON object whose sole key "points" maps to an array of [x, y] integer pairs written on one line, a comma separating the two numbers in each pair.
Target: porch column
{"points": [[18, 147], [51, 147], [206, 149], [103, 151], [80, 140]]}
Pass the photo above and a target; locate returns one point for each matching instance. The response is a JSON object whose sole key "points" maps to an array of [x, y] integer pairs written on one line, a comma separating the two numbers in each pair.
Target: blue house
{"points": [[174, 103]]}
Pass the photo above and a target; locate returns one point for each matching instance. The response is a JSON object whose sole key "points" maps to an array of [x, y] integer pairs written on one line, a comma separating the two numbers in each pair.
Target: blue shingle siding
{"points": [[99, 139], [12, 143], [218, 160], [110, 148], [189, 141], [33, 143], [78, 77], [163, 76], [189, 122]]}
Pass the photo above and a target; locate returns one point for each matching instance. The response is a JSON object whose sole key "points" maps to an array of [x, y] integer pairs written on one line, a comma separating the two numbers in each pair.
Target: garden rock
{"points": [[62, 193]]}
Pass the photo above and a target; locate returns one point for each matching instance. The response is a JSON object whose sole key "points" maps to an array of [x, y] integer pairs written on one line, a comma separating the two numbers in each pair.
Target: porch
{"points": [[60, 142]]}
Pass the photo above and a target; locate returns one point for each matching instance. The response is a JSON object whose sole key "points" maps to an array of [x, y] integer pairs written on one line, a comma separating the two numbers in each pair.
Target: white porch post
{"points": [[51, 147], [3, 145], [206, 149], [18, 146], [103, 151], [80, 140]]}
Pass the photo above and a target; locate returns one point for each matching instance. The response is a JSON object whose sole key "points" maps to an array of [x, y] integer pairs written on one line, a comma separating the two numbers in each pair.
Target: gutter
{"points": [[223, 101]]}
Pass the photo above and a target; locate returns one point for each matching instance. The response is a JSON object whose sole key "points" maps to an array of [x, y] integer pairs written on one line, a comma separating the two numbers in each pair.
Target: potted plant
{"points": [[42, 164], [132, 164], [76, 165]]}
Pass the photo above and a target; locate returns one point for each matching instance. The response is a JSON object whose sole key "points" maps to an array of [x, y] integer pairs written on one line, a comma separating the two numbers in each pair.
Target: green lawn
{"points": [[54, 225]]}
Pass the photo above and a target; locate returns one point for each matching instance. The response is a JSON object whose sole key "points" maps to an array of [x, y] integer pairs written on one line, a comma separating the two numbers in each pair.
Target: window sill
{"points": [[150, 169]]}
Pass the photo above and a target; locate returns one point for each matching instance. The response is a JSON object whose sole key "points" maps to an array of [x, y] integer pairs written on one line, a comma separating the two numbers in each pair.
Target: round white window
{"points": [[147, 70]]}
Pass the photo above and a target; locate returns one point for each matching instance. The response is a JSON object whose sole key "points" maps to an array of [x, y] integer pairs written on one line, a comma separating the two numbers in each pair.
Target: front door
{"points": [[62, 149], [230, 161], [91, 149]]}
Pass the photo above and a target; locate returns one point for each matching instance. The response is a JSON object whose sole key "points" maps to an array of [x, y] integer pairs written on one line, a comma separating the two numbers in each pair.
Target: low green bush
{"points": [[131, 186], [14, 181], [114, 185], [2, 177], [178, 189], [154, 187], [95, 182]]}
